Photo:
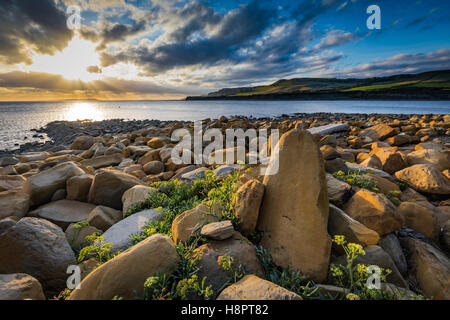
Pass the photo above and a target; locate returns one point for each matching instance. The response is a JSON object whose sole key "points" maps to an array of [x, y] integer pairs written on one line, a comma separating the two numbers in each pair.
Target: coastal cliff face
{"points": [[110, 201]]}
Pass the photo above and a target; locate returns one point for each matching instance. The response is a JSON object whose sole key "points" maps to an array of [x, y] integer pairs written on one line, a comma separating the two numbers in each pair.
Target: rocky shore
{"points": [[351, 191]]}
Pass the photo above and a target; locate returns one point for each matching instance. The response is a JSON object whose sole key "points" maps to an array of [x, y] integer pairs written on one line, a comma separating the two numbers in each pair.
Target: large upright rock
{"points": [[425, 178], [109, 186], [41, 186], [430, 267], [125, 274], [295, 206], [39, 248]]}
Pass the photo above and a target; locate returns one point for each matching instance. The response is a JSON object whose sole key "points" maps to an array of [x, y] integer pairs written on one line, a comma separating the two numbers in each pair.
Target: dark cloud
{"points": [[112, 32], [234, 30], [31, 25]]}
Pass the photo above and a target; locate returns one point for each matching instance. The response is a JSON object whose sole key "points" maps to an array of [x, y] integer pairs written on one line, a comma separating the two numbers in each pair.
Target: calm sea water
{"points": [[18, 118]]}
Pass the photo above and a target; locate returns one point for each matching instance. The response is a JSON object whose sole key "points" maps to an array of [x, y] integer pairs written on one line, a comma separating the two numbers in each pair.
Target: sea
{"points": [[17, 119]]}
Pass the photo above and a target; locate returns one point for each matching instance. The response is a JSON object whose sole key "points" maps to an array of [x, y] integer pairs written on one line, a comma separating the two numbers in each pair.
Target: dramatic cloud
{"points": [[29, 26]]}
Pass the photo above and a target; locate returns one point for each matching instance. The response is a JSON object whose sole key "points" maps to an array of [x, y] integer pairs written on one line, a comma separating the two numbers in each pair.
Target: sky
{"points": [[168, 49]]}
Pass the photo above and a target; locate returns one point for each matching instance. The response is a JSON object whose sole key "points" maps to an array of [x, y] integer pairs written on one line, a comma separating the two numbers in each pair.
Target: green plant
{"points": [[80, 224], [235, 273], [353, 278], [183, 283], [357, 178], [403, 186], [101, 251], [393, 197]]}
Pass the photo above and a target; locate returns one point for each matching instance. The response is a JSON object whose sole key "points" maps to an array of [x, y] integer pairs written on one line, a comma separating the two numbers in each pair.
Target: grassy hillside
{"points": [[407, 83]]}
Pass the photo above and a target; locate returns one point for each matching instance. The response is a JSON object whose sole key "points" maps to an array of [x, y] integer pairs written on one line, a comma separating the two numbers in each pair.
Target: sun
{"points": [[72, 62], [82, 111]]}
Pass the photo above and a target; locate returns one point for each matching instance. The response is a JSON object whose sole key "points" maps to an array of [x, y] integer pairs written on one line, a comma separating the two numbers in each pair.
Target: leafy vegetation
{"points": [[97, 249], [357, 178], [174, 197], [184, 282]]}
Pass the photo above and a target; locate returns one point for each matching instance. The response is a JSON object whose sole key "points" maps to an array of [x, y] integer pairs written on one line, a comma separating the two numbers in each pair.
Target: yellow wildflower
{"points": [[352, 296]]}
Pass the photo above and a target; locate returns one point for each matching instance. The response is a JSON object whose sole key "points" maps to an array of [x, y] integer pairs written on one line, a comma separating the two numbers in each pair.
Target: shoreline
{"points": [[65, 132]]}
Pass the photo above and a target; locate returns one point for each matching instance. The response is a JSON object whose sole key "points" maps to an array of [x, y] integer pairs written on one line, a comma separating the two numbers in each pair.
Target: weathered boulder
{"points": [[108, 187], [372, 161], [103, 161], [39, 248], [11, 182], [82, 143], [329, 129], [225, 170], [445, 236], [425, 178], [295, 206], [196, 174], [191, 221], [14, 203], [20, 286], [391, 160], [135, 195], [430, 267], [338, 191], [374, 211], [218, 230], [441, 160], [391, 245], [156, 143], [420, 218], [104, 218], [152, 155], [78, 187], [125, 274], [252, 287], [119, 234], [7, 223], [63, 212], [237, 247], [8, 161], [154, 167], [43, 185], [247, 203], [384, 185], [339, 223]]}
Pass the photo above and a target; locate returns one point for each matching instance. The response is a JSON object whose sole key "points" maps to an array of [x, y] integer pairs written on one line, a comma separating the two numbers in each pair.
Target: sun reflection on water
{"points": [[83, 111]]}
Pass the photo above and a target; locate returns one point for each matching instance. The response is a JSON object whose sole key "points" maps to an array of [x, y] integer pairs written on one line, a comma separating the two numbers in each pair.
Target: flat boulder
{"points": [[425, 178], [218, 230], [109, 186], [378, 132], [374, 211], [63, 212], [119, 234], [441, 160], [39, 248], [82, 143], [329, 129], [125, 274], [295, 206], [252, 287], [14, 203], [103, 161], [43, 185], [20, 286]]}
